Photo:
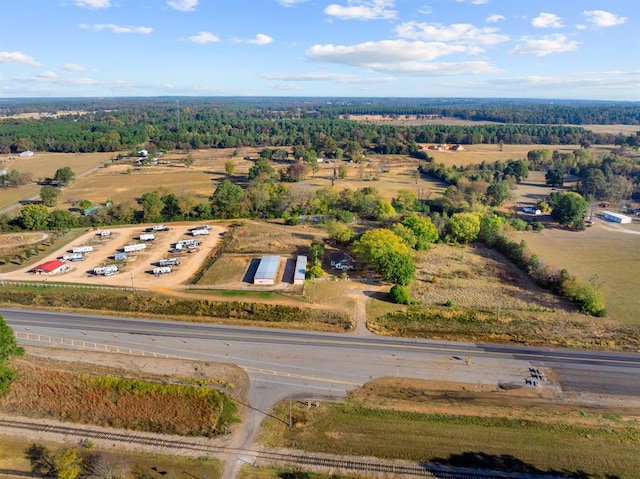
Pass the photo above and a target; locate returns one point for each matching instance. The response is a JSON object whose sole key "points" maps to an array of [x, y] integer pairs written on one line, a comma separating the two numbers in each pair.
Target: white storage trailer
{"points": [[73, 257], [169, 262], [106, 270], [130, 248]]}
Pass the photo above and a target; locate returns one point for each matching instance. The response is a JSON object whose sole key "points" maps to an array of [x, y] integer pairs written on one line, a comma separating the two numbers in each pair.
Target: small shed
{"points": [[50, 267], [301, 270], [267, 270], [616, 217]]}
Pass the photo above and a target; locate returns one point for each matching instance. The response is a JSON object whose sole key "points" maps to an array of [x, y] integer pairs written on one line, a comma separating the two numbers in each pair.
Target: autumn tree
{"points": [[423, 229], [34, 217], [374, 244], [464, 227]]}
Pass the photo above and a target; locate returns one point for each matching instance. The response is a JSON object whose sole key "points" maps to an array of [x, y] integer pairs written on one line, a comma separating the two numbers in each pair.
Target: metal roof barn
{"points": [[301, 270], [616, 217], [267, 270], [50, 267]]}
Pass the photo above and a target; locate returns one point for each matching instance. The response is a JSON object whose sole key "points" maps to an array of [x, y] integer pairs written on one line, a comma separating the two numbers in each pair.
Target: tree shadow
{"points": [[505, 462]]}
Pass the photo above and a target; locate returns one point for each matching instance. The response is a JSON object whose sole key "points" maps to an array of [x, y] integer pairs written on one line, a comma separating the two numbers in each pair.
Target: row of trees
{"points": [[228, 126]]}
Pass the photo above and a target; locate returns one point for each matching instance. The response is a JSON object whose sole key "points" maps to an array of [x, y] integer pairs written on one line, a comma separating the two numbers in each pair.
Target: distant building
{"points": [[50, 267], [26, 153], [616, 217], [143, 153], [267, 270]]}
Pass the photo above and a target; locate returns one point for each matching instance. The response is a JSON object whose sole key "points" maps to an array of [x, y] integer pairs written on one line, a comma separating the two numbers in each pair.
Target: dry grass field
{"points": [[464, 425], [608, 256]]}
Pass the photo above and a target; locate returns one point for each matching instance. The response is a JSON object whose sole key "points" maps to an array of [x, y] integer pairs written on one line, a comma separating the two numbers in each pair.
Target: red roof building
{"points": [[50, 267]]}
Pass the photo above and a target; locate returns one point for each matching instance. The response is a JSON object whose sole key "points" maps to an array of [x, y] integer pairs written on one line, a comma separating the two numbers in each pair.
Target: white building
{"points": [[616, 217]]}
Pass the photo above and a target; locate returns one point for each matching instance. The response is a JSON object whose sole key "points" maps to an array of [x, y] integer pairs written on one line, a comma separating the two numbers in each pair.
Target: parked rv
{"points": [[108, 270], [73, 257], [134, 247], [82, 249], [162, 270], [146, 237]]}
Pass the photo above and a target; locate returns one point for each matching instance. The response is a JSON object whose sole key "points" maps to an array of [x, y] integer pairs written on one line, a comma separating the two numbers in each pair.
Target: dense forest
{"points": [[111, 125]]}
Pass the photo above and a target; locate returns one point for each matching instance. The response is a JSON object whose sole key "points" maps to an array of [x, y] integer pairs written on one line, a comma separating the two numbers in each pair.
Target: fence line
{"points": [[82, 344], [46, 284]]}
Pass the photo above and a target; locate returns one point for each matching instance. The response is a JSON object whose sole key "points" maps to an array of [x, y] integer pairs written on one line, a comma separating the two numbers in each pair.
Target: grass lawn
{"points": [[528, 445]]}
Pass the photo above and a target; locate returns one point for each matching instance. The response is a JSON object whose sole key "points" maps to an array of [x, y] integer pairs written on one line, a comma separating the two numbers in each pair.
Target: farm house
{"points": [[616, 217], [50, 267], [267, 270], [301, 270]]}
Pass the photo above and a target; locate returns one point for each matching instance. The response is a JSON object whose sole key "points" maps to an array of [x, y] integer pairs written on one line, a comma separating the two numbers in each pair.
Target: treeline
{"points": [[530, 111], [175, 125]]}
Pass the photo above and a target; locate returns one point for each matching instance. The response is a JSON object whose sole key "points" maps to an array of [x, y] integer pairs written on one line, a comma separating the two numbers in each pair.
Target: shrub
{"points": [[399, 294]]}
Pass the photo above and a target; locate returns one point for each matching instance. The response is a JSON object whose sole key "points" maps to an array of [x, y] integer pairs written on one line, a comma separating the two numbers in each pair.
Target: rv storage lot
{"points": [[138, 266]]}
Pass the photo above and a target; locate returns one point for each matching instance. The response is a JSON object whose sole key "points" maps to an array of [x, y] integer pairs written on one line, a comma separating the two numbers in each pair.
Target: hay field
{"points": [[44, 165], [608, 256], [476, 154]]}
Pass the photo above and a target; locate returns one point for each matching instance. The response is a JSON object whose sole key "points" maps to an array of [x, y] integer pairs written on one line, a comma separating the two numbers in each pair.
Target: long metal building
{"points": [[267, 270]]}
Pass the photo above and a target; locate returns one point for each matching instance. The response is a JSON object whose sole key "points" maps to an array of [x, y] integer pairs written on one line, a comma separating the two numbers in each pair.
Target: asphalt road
{"points": [[286, 362]]}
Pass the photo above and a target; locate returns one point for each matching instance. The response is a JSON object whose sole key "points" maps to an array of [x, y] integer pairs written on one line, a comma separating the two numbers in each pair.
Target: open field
{"points": [[460, 425], [476, 154], [607, 254], [44, 165]]}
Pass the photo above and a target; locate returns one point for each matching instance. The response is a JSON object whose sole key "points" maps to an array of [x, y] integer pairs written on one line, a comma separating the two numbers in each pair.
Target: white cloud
{"points": [[556, 43], [601, 18], [386, 51], [479, 2], [290, 3], [18, 57], [183, 5], [400, 57], [48, 75], [116, 28], [459, 32], [73, 67], [494, 18], [547, 20], [426, 10], [93, 3], [204, 37], [261, 39], [363, 10], [329, 77], [587, 81]]}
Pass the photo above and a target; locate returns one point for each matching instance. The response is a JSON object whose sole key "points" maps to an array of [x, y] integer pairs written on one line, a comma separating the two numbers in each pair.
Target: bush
{"points": [[399, 294]]}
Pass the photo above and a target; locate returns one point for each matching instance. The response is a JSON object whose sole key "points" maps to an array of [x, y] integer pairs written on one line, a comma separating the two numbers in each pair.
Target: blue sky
{"points": [[574, 49]]}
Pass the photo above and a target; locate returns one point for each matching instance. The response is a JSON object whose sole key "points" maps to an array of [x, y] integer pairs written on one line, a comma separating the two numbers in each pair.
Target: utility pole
{"points": [[290, 413]]}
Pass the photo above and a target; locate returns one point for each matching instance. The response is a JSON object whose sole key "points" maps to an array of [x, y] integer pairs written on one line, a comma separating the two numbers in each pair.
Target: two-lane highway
{"points": [[282, 362]]}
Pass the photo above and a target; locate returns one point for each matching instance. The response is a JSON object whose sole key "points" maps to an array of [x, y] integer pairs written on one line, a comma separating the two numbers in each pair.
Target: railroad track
{"points": [[427, 470]]}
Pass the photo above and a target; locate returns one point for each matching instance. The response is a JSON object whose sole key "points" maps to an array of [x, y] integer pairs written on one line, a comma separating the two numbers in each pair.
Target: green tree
{"points": [[226, 201], [384, 210], [519, 169], [374, 244], [188, 161], [490, 229], [64, 175], [399, 294], [464, 227], [8, 344], [49, 195], [424, 229], [342, 171], [152, 206], [340, 232], [229, 168], [498, 193], [62, 220], [397, 268], [569, 209], [34, 217], [554, 177], [84, 204], [261, 168]]}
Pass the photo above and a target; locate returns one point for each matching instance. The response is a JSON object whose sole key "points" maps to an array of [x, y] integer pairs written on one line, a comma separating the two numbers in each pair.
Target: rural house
{"points": [[342, 261]]}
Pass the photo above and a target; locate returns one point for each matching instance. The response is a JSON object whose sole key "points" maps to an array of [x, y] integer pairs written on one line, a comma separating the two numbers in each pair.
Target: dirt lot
{"points": [[137, 269]]}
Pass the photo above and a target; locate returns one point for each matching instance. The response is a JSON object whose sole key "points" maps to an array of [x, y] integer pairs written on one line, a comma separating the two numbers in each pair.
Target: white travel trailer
{"points": [[82, 249], [162, 270], [130, 248]]}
